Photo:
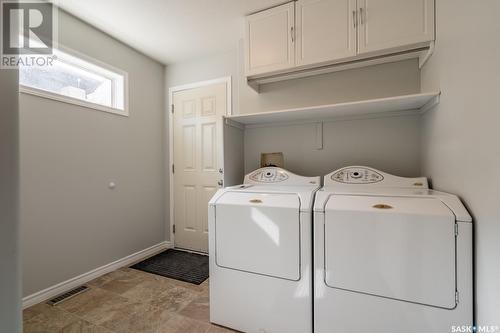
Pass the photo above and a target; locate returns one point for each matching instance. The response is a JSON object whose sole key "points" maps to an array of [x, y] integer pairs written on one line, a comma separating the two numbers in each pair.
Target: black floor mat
{"points": [[179, 265]]}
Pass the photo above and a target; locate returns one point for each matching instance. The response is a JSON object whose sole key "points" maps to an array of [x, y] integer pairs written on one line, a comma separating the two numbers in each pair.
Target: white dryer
{"points": [[390, 255], [260, 247]]}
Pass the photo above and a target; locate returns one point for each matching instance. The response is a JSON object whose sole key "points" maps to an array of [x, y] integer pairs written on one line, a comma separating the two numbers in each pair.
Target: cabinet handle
{"points": [[354, 19], [292, 34], [361, 18]]}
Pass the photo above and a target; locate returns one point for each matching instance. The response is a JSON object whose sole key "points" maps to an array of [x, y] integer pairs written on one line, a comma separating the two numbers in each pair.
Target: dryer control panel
{"points": [[357, 175], [274, 175], [360, 175]]}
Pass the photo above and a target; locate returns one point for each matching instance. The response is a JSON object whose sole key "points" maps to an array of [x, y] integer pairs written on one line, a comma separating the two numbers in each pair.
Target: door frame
{"points": [[170, 127]]}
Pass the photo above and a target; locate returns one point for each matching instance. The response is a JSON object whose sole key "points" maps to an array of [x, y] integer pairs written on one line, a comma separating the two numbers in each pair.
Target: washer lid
{"points": [[360, 180], [304, 192], [260, 199], [395, 247]]}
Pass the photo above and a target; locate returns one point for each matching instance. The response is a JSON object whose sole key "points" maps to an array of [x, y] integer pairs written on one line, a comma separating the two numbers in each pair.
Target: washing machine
{"points": [[390, 255], [260, 247]]}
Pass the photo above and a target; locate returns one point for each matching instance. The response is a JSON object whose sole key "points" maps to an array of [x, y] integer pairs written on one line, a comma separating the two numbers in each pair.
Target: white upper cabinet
{"points": [[387, 24], [270, 40], [309, 37], [325, 30]]}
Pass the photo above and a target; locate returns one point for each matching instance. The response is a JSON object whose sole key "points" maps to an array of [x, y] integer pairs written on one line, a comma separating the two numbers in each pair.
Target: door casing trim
{"points": [[169, 230]]}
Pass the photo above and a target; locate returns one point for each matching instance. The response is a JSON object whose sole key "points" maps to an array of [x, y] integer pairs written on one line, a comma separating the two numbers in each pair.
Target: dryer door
{"points": [[259, 233], [395, 247]]}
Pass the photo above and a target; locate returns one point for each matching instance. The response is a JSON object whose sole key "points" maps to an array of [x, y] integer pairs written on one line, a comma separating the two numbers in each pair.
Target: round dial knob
{"points": [[356, 175]]}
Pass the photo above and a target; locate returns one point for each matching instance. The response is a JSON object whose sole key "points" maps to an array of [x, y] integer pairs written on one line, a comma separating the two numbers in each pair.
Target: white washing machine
{"points": [[390, 255], [260, 246]]}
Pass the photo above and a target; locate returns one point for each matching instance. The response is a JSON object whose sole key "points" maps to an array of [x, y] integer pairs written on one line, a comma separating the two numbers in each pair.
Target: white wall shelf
{"points": [[381, 107]]}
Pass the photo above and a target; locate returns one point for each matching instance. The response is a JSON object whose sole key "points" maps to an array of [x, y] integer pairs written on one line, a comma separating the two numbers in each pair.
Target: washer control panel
{"points": [[357, 175], [269, 175], [278, 176]]}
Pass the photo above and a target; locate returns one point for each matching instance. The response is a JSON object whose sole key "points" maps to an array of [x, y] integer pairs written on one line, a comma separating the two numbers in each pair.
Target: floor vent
{"points": [[63, 297]]}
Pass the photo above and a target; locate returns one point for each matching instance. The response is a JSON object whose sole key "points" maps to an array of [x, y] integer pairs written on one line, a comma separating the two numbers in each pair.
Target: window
{"points": [[74, 80]]}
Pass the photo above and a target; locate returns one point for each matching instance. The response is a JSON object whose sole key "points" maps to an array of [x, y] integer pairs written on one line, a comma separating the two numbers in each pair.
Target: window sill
{"points": [[71, 100]]}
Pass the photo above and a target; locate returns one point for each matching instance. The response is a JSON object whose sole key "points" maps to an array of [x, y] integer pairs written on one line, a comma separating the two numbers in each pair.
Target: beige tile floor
{"points": [[124, 301]]}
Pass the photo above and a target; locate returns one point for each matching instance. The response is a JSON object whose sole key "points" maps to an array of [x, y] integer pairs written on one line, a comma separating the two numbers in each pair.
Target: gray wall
{"points": [[391, 144], [71, 222], [10, 275], [460, 149], [370, 82]]}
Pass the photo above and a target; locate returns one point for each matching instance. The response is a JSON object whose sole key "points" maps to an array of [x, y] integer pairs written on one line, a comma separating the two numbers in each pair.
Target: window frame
{"points": [[79, 102]]}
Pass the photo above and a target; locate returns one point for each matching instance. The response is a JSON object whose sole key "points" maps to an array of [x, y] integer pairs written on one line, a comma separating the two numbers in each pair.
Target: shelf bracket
{"points": [[425, 57], [319, 136], [234, 124], [430, 104], [254, 85]]}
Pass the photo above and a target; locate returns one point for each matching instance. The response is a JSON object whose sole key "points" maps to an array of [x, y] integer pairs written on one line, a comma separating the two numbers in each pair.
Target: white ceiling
{"points": [[170, 30]]}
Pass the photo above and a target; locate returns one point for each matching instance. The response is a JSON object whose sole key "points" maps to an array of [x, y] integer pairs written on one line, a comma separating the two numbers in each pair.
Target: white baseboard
{"points": [[67, 285]]}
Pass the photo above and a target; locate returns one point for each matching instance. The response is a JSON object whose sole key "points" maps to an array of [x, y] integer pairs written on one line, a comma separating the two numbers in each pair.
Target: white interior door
{"points": [[385, 24], [325, 30], [198, 160], [270, 40]]}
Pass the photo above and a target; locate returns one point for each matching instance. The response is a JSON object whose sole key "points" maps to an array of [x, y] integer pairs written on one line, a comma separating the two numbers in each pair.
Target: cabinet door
{"points": [[270, 40], [386, 24], [326, 30]]}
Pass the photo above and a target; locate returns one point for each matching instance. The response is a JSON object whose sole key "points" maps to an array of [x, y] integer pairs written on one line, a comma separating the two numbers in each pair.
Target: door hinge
{"points": [[172, 108], [456, 229], [457, 297], [173, 229], [173, 168]]}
